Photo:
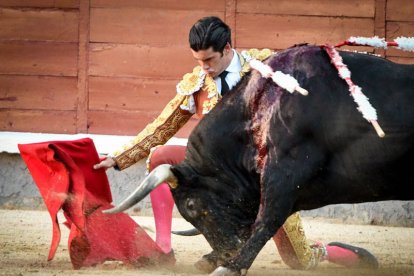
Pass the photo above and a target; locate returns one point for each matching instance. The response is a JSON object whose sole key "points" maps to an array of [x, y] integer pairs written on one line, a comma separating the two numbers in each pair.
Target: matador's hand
{"points": [[106, 163]]}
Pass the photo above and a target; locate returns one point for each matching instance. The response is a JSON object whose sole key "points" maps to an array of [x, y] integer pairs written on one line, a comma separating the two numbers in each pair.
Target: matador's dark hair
{"points": [[209, 32]]}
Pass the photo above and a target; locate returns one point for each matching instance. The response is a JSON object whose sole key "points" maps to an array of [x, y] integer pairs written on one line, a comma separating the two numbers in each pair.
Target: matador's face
{"points": [[213, 63]]}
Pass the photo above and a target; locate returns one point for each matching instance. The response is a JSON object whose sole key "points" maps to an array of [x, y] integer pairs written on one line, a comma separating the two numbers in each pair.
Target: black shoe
{"points": [[366, 259]]}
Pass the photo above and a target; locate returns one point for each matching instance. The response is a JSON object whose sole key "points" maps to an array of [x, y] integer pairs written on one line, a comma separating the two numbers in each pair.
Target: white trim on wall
{"points": [[104, 144]]}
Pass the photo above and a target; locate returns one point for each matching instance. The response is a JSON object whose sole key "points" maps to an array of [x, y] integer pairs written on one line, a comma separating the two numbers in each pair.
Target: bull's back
{"points": [[356, 164], [367, 167], [388, 85]]}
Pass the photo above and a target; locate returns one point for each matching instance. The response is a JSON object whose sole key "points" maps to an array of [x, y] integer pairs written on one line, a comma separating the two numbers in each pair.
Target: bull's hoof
{"points": [[224, 271], [205, 265]]}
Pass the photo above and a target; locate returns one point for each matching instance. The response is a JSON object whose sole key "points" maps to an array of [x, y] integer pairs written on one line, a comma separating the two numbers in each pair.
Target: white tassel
{"points": [[344, 72], [369, 41], [264, 70], [285, 81], [368, 112], [405, 43], [281, 79]]}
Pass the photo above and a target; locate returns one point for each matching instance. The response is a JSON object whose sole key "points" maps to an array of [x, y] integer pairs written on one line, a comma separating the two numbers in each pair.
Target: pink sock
{"points": [[162, 207], [342, 256]]}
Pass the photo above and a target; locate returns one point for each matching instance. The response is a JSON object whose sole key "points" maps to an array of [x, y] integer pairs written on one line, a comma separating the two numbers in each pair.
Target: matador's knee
{"points": [[293, 246], [166, 154]]}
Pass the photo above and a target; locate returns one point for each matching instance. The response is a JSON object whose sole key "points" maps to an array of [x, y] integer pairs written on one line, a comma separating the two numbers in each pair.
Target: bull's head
{"points": [[223, 216]]}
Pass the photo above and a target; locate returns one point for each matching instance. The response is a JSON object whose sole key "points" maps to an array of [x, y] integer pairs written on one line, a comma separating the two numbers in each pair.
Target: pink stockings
{"points": [[161, 198], [162, 207]]}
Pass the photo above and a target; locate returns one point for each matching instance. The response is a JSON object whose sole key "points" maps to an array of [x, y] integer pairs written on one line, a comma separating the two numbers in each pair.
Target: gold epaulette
{"points": [[256, 54], [191, 82]]}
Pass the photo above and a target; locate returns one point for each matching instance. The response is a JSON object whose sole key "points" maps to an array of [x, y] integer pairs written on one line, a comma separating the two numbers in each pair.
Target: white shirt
{"points": [[233, 76]]}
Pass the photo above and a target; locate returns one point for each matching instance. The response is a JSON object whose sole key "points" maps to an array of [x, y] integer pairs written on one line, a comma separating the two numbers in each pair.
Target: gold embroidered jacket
{"points": [[196, 93]]}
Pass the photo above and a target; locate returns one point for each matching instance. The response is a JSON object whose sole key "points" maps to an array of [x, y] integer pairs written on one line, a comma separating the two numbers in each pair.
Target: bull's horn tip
{"points": [[109, 211]]}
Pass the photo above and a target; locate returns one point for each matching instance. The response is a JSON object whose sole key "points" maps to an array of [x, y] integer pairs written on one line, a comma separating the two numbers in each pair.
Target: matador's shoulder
{"points": [[248, 55], [191, 82], [259, 54]]}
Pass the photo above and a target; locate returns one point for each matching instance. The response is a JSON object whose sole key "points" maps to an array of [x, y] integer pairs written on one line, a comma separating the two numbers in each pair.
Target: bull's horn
{"points": [[191, 232], [159, 175]]}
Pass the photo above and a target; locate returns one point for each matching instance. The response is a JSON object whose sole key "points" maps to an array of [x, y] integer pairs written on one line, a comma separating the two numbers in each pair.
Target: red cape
{"points": [[63, 172]]}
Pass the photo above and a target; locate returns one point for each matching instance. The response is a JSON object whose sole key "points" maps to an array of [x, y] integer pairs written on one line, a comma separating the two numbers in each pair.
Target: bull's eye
{"points": [[191, 207]]}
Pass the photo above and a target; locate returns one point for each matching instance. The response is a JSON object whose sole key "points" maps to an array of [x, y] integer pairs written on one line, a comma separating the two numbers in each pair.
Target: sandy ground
{"points": [[25, 239]]}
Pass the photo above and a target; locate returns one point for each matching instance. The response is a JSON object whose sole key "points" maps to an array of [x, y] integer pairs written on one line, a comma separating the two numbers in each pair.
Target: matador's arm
{"points": [[156, 133]]}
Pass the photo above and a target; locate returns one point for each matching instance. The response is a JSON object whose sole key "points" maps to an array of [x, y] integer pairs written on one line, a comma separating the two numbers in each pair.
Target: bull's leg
{"points": [[269, 220], [282, 177]]}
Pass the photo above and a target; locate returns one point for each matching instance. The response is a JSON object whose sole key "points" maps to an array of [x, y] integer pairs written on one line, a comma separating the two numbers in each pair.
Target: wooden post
{"points": [[83, 63], [230, 18], [380, 22]]}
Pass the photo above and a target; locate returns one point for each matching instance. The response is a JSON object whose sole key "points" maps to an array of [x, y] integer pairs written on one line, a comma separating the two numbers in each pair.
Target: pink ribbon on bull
{"points": [[364, 106]]}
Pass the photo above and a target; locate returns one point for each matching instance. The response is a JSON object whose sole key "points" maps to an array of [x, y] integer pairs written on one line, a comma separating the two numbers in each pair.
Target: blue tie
{"points": [[224, 85]]}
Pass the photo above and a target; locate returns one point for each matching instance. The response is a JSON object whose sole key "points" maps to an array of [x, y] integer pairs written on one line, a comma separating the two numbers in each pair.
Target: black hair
{"points": [[209, 32]]}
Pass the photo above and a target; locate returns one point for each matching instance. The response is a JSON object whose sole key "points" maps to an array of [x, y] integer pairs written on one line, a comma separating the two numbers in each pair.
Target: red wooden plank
{"points": [[66, 3], [40, 3], [124, 60], [38, 58], [349, 8], [38, 121], [127, 123], [400, 10], [31, 25], [280, 32], [206, 5], [118, 94], [119, 123], [33, 92], [156, 27], [402, 60]]}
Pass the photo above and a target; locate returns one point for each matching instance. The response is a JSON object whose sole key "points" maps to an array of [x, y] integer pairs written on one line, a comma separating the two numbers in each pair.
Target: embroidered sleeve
{"points": [[156, 133]]}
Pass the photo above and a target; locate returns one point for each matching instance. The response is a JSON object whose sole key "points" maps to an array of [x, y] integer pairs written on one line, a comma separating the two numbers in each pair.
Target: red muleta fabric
{"points": [[63, 172]]}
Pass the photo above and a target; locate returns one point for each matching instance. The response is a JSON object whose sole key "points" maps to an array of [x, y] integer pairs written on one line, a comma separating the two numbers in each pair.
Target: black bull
{"points": [[262, 153]]}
